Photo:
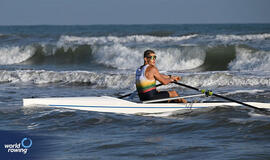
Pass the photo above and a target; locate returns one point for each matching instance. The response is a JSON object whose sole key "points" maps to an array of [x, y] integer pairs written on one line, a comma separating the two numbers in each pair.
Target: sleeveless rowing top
{"points": [[144, 85]]}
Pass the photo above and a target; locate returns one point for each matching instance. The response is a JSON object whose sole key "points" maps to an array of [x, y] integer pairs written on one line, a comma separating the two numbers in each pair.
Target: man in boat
{"points": [[146, 77]]}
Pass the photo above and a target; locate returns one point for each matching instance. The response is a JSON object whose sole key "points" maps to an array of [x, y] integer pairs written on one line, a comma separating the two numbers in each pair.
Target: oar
{"points": [[220, 96], [126, 95]]}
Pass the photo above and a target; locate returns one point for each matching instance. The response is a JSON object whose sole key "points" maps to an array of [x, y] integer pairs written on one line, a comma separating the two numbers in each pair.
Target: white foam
{"points": [[104, 80], [117, 80], [137, 39], [247, 59], [219, 79], [127, 52], [118, 52], [119, 56], [13, 55], [253, 91], [175, 59], [227, 38], [122, 57]]}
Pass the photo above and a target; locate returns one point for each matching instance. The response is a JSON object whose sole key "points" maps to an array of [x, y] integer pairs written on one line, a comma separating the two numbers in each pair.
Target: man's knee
{"points": [[173, 94]]}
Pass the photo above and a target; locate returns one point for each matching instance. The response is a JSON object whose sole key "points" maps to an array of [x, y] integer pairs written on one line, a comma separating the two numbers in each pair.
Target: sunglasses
{"points": [[152, 57]]}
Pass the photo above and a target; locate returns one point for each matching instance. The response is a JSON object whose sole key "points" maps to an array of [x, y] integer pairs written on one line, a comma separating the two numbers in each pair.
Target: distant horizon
{"points": [[135, 24]]}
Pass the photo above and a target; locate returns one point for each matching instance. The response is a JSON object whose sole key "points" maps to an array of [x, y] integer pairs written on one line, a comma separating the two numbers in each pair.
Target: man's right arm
{"points": [[162, 79]]}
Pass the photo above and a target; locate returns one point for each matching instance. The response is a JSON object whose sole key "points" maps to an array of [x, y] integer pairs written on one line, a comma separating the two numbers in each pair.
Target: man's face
{"points": [[151, 59]]}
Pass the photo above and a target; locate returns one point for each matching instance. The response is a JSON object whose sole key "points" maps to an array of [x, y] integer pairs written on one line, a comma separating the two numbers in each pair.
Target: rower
{"points": [[146, 77]]}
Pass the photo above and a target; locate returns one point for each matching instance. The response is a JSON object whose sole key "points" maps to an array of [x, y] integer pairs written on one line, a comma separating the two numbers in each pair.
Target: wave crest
{"points": [[13, 55], [121, 57], [174, 53], [247, 37], [135, 39], [248, 59]]}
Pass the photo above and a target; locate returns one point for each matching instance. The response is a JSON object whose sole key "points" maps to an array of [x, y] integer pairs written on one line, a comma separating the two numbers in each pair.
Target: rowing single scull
{"points": [[116, 105]]}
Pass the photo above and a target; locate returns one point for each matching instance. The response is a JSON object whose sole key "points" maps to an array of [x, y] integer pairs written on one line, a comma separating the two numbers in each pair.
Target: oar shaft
{"points": [[220, 96], [245, 104], [187, 86]]}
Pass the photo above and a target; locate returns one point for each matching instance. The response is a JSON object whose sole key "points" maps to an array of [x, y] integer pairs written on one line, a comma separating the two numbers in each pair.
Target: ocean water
{"points": [[66, 61]]}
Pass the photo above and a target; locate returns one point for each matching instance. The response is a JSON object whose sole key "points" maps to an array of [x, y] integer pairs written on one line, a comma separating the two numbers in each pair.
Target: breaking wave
{"points": [[115, 52], [174, 53], [12, 55], [122, 57], [126, 52], [248, 59]]}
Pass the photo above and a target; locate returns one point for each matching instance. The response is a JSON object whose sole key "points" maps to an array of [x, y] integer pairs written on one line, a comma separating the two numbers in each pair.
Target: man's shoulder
{"points": [[152, 68]]}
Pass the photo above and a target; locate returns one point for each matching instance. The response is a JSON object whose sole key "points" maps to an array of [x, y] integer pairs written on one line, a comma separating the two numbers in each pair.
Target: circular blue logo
{"points": [[28, 145]]}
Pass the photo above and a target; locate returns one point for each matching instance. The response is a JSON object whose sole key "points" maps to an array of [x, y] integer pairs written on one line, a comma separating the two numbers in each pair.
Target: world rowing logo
{"points": [[25, 140], [22, 147]]}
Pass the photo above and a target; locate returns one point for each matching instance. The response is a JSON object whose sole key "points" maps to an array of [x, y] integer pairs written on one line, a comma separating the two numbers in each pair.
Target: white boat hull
{"points": [[115, 105]]}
